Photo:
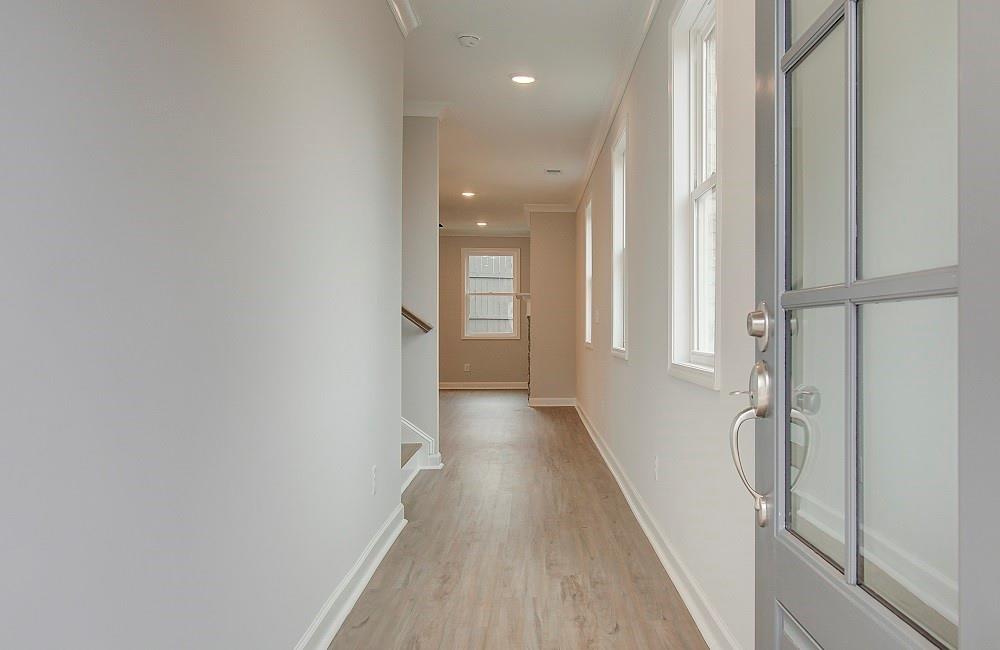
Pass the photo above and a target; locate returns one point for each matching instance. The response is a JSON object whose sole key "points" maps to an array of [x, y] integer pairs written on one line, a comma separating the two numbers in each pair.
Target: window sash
{"points": [[619, 270], [512, 314], [588, 331], [704, 96], [703, 267], [703, 196]]}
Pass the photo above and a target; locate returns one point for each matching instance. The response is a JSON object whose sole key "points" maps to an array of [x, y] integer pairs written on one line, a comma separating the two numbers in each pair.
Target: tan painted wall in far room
{"points": [[491, 360], [553, 306]]}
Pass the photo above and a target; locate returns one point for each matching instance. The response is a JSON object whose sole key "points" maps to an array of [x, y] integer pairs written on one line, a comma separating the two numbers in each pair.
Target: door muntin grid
{"points": [[851, 294]]}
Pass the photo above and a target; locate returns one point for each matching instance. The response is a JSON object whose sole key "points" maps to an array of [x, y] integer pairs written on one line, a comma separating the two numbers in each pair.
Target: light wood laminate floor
{"points": [[523, 540]]}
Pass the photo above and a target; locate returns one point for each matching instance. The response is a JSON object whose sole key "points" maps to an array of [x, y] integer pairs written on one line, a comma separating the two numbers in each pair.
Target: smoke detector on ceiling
{"points": [[468, 40]]}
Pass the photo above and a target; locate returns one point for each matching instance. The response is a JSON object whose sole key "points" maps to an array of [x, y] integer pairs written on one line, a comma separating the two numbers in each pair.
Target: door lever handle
{"points": [[759, 500]]}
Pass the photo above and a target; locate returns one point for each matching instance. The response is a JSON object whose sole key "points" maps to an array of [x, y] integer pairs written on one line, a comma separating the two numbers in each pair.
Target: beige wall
{"points": [[553, 306], [492, 360]]}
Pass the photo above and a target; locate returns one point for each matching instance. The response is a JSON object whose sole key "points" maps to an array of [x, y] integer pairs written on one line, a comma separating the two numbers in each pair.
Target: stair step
{"points": [[407, 451]]}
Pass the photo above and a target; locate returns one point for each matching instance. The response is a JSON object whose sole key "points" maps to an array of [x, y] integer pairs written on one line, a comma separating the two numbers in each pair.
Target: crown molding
{"points": [[405, 16], [471, 233], [603, 129], [548, 207], [424, 109]]}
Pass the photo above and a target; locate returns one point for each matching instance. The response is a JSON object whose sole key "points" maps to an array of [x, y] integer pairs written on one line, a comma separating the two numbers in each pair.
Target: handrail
{"points": [[417, 320]]}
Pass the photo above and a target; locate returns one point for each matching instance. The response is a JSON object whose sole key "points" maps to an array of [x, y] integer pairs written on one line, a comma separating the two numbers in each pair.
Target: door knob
{"points": [[759, 325]]}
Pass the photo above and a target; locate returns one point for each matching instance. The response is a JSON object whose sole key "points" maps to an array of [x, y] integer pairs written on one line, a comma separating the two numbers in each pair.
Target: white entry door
{"points": [[875, 226]]}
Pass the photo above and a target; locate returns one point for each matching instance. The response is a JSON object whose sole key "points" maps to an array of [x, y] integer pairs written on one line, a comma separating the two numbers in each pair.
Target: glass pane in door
{"points": [[909, 460], [909, 127], [817, 166], [803, 13], [815, 448]]}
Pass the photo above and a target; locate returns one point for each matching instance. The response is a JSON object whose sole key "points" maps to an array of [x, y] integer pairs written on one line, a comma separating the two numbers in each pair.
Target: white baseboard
{"points": [[708, 620], [551, 401], [412, 467], [408, 475], [324, 627], [432, 456], [483, 385]]}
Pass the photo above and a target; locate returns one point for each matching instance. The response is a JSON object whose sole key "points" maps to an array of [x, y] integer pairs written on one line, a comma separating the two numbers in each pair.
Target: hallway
{"points": [[523, 540]]}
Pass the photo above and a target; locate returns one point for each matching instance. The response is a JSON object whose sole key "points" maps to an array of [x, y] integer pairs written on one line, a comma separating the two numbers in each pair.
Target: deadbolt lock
{"points": [[759, 326]]}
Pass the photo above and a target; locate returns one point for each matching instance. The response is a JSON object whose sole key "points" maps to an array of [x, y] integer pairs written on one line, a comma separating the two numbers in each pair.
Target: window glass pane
{"points": [[618, 270], [489, 314], [704, 273], [589, 271], [803, 14], [909, 459], [909, 130], [710, 86], [817, 172], [815, 448]]}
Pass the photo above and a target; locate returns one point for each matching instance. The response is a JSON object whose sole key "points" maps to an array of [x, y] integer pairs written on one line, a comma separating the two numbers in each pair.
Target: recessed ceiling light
{"points": [[468, 195], [481, 224], [468, 40], [522, 79]]}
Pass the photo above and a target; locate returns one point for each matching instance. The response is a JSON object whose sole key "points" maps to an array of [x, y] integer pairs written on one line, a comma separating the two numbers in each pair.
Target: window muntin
{"points": [[491, 281], [619, 268]]}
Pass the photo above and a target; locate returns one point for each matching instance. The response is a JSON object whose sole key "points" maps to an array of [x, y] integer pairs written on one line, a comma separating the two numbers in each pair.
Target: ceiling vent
{"points": [[468, 40], [553, 172]]}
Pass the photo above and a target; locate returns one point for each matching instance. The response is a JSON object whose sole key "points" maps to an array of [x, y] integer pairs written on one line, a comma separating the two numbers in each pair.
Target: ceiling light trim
{"points": [[603, 130], [406, 17]]}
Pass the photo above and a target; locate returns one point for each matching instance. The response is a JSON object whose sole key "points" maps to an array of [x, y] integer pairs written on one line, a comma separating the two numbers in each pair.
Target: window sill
{"points": [[620, 353], [588, 344], [491, 338], [700, 375]]}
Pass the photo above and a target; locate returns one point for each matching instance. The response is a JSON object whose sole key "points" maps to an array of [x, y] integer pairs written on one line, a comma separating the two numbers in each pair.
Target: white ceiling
{"points": [[497, 138]]}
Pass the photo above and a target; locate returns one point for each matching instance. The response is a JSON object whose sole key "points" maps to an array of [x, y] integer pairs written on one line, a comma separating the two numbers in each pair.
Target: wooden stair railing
{"points": [[417, 320]]}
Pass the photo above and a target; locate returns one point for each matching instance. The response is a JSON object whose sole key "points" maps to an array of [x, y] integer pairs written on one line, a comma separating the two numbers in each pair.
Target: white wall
{"points": [[200, 283], [553, 305], [420, 272], [699, 506]]}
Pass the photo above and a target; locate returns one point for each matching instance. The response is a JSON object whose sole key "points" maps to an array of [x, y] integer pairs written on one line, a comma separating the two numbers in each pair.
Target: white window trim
{"points": [[588, 274], [516, 334], [620, 148], [684, 362]]}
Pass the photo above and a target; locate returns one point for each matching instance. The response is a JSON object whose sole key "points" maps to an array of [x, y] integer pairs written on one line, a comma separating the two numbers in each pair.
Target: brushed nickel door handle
{"points": [[760, 407], [759, 500], [798, 417]]}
